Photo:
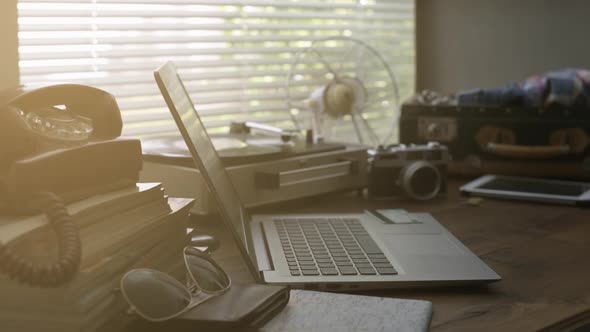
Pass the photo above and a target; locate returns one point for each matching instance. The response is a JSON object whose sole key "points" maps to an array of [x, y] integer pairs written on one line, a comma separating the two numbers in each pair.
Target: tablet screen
{"points": [[535, 187], [530, 189]]}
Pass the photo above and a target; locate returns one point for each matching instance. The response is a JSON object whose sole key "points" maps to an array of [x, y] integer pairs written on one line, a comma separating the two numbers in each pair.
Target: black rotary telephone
{"points": [[54, 141]]}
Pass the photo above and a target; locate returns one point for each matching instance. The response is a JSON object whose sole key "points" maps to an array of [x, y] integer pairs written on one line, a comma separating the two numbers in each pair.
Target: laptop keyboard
{"points": [[330, 246]]}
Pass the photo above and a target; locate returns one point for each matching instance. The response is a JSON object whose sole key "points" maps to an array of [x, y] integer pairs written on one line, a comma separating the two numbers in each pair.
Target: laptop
{"points": [[380, 249]]}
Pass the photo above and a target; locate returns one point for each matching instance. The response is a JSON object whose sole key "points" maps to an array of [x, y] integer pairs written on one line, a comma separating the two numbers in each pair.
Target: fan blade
{"points": [[372, 135], [356, 128], [379, 100], [347, 57], [325, 63], [394, 124]]}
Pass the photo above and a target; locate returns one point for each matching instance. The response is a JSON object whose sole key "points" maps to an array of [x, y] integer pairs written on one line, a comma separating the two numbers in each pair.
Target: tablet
{"points": [[529, 189]]}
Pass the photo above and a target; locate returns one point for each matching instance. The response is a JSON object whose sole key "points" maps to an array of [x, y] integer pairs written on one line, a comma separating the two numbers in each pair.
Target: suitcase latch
{"points": [[441, 129]]}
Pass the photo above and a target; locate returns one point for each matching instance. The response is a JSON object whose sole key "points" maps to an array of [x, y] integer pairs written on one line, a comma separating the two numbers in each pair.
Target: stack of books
{"points": [[134, 226]]}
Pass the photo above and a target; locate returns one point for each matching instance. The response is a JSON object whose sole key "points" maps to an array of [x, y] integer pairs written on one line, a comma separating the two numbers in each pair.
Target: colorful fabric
{"points": [[567, 88]]}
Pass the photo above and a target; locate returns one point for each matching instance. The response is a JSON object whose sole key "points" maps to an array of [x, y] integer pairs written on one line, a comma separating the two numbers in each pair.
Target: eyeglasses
{"points": [[156, 296]]}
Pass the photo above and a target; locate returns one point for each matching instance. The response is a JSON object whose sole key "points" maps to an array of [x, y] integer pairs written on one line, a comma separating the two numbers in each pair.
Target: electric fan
{"points": [[345, 91]]}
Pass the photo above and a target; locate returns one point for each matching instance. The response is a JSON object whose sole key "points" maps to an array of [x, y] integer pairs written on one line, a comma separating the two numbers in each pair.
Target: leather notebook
{"points": [[242, 307]]}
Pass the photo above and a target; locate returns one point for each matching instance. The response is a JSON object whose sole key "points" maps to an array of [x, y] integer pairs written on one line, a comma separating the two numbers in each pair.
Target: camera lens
{"points": [[421, 180]]}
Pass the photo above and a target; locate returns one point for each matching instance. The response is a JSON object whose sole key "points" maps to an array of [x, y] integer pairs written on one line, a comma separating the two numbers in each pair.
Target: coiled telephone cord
{"points": [[70, 251]]}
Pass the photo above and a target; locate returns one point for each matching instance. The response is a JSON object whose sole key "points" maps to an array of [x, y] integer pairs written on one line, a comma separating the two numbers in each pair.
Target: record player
{"points": [[265, 169]]}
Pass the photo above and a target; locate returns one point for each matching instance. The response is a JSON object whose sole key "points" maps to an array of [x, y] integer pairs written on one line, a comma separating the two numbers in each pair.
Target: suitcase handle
{"points": [[528, 151]]}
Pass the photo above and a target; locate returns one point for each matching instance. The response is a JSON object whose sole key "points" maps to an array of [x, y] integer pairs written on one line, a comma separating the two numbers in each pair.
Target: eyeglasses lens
{"points": [[155, 294], [208, 275]]}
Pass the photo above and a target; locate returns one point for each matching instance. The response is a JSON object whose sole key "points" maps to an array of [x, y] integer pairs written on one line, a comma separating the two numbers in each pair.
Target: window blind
{"points": [[233, 55]]}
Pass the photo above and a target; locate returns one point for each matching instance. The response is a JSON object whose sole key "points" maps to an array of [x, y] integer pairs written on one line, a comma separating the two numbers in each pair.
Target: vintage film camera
{"points": [[416, 171]]}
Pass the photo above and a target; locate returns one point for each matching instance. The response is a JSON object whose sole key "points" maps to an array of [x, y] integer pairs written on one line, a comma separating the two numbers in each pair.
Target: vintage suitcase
{"points": [[511, 141]]}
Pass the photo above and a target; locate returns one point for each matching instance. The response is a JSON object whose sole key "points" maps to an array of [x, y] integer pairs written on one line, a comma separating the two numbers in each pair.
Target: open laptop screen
{"points": [[205, 156]]}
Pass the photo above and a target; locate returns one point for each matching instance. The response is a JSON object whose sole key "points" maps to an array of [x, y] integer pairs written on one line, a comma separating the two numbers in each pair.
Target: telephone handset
{"points": [[53, 140], [56, 116], [79, 100]]}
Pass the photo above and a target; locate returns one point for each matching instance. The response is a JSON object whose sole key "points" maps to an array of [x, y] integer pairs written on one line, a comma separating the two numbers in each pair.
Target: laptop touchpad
{"points": [[422, 245]]}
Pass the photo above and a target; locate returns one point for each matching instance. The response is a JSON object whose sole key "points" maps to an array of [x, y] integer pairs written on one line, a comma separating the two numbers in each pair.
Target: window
{"points": [[234, 55]]}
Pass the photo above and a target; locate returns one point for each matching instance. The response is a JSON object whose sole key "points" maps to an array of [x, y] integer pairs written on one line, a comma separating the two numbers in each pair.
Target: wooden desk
{"points": [[541, 252]]}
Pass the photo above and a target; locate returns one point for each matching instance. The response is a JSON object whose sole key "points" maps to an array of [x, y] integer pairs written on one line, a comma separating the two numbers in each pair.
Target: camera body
{"points": [[415, 171]]}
